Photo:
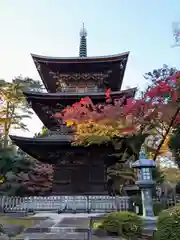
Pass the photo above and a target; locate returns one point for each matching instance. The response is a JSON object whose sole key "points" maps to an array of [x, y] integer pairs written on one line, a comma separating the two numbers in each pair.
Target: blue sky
{"points": [[51, 27]]}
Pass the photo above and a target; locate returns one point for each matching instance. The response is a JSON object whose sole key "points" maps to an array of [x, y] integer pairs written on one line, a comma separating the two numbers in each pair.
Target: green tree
{"points": [[158, 175], [171, 177], [174, 145], [13, 107], [118, 174]]}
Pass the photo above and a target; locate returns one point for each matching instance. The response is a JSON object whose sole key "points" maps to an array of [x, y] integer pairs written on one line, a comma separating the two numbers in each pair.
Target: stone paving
{"points": [[54, 236], [59, 217], [66, 227], [59, 226]]}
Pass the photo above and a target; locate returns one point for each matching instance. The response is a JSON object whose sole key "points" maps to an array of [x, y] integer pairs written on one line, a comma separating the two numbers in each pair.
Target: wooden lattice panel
{"points": [[71, 82]]}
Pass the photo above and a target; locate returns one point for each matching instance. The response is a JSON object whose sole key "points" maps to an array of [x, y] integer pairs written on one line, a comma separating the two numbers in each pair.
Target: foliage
{"points": [[20, 174], [120, 174], [42, 133], [158, 175], [165, 146], [174, 139], [6, 156], [125, 224], [171, 175], [13, 106], [29, 84], [171, 77], [158, 205], [38, 180], [128, 123], [23, 175], [157, 107], [159, 74], [168, 224], [174, 145]]}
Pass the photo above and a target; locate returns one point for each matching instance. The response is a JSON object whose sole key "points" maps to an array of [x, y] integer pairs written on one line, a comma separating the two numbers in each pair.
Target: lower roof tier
{"points": [[46, 105], [60, 150]]}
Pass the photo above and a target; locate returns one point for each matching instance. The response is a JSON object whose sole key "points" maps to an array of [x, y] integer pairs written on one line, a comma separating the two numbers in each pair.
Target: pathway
{"points": [[60, 226], [67, 226]]}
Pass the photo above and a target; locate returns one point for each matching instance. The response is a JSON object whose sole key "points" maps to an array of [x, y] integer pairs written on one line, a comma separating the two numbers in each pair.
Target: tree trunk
{"points": [[6, 132], [166, 133], [7, 124]]}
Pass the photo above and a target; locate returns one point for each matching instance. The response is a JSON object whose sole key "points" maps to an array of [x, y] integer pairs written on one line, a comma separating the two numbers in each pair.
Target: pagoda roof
{"points": [[75, 96], [47, 66], [35, 147], [105, 58], [46, 105], [50, 149], [59, 139]]}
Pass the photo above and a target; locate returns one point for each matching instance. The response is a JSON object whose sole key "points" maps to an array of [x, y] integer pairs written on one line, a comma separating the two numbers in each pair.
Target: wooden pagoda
{"points": [[77, 170]]}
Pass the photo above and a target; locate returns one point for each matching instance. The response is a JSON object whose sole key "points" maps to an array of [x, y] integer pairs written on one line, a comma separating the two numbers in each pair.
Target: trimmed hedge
{"points": [[168, 224], [125, 224]]}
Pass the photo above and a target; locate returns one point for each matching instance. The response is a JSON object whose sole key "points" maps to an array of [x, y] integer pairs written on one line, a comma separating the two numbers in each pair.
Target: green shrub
{"points": [[168, 224], [125, 224], [158, 206]]}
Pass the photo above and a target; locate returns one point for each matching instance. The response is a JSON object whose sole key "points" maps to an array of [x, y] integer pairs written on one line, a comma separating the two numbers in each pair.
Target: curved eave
{"points": [[94, 59], [45, 149], [68, 95], [63, 140], [39, 148]]}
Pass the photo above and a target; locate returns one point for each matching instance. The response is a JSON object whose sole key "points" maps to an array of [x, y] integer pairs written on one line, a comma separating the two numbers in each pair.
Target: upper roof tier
{"points": [[107, 71]]}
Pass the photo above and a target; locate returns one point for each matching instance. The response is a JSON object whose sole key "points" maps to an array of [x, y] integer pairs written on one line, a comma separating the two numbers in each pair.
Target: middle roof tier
{"points": [[45, 105]]}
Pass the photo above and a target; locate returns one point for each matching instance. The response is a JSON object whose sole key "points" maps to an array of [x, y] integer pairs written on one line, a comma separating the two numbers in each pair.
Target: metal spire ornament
{"points": [[83, 42]]}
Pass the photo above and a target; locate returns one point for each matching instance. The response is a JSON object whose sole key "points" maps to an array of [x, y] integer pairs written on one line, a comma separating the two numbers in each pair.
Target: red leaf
{"points": [[58, 115], [174, 96], [108, 92], [129, 130]]}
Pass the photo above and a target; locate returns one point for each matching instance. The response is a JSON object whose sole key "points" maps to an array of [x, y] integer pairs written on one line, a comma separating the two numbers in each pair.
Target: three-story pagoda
{"points": [[77, 169]]}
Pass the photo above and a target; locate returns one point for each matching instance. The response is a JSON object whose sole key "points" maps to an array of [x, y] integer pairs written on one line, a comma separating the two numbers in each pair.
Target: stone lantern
{"points": [[145, 181]]}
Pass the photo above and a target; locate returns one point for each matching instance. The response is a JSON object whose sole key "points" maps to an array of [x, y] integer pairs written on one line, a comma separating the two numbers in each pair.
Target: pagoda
{"points": [[78, 170]]}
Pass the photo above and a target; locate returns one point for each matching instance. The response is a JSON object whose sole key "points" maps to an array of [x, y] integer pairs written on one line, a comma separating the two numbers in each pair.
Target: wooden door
{"points": [[79, 179]]}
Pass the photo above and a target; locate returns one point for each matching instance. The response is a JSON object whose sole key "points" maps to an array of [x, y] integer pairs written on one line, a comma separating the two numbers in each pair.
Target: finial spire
{"points": [[83, 45], [83, 32]]}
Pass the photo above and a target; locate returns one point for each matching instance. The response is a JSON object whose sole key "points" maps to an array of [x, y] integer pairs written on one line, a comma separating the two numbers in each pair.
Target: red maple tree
{"points": [[39, 178], [155, 112]]}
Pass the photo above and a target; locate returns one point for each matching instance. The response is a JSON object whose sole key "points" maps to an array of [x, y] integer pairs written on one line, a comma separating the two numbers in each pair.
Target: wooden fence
{"points": [[99, 204]]}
